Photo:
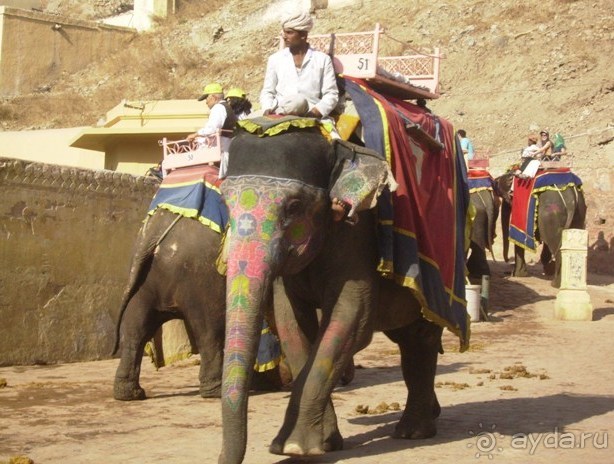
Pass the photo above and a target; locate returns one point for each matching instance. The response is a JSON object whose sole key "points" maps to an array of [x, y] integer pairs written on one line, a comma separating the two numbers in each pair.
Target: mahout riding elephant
{"points": [[328, 300], [174, 276], [486, 204], [559, 207]]}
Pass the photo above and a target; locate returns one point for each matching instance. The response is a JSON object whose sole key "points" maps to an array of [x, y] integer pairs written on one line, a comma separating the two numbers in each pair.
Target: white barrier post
{"points": [[573, 302]]}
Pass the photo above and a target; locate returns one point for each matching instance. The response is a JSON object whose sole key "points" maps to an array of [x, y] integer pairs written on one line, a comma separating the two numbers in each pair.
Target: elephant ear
{"points": [[359, 177]]}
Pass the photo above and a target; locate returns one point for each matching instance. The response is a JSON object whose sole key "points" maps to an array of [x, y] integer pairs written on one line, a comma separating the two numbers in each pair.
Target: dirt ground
{"points": [[530, 389]]}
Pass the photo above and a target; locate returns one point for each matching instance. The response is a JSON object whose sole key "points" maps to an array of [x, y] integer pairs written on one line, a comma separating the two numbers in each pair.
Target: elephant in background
{"points": [[486, 204], [278, 191], [174, 276], [559, 208]]}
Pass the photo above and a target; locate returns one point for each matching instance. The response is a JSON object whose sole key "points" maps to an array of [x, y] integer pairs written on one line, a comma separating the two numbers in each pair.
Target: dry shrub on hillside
{"points": [[519, 11], [7, 112], [192, 8]]}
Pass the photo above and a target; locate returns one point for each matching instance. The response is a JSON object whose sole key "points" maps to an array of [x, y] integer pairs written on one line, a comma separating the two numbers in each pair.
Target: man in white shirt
{"points": [[299, 80], [221, 118], [530, 159]]}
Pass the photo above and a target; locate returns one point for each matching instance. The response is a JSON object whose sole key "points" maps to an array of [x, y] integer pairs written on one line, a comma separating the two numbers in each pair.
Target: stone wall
{"points": [[66, 242]]}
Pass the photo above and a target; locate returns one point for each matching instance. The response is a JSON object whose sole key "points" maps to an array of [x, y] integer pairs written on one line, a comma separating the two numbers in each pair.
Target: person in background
{"points": [[531, 150], [299, 80], [466, 145], [545, 145], [221, 118], [558, 147], [530, 159], [237, 99]]}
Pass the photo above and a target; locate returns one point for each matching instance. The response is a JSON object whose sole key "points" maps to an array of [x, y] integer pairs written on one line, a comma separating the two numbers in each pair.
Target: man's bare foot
{"points": [[340, 209]]}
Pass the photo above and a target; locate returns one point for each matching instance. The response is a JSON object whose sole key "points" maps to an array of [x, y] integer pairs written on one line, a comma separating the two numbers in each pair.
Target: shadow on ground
{"points": [[461, 423]]}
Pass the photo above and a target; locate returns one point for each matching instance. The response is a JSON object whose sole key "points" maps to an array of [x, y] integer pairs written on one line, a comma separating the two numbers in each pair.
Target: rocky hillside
{"points": [[508, 67]]}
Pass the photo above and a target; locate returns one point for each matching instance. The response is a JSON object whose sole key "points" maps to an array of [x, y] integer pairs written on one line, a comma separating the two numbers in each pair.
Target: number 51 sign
{"points": [[363, 65]]}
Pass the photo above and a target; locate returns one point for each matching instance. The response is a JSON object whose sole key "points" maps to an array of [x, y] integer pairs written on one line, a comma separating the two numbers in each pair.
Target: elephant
{"points": [[559, 207], [328, 295], [174, 276], [486, 204]]}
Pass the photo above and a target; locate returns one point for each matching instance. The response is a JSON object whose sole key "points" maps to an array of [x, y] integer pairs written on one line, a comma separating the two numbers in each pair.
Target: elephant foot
{"points": [[521, 273], [413, 429], [309, 444], [128, 392], [294, 449], [333, 442], [549, 268], [436, 407], [348, 373], [210, 392]]}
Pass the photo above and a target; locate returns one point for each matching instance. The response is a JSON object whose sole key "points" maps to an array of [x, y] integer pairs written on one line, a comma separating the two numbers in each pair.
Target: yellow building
{"points": [[128, 138]]}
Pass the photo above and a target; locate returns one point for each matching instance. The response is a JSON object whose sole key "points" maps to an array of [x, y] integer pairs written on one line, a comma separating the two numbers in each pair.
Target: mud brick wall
{"points": [[66, 238]]}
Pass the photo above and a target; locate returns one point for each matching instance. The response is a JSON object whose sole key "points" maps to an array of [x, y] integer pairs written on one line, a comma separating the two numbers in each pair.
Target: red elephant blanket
{"points": [[525, 201], [421, 226]]}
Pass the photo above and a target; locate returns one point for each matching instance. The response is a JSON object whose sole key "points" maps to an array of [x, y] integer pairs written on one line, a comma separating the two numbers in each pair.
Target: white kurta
{"points": [[217, 118], [315, 81]]}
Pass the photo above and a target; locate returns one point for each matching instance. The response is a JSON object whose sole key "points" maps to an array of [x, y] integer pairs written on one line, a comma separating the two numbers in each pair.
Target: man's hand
{"points": [[314, 113]]}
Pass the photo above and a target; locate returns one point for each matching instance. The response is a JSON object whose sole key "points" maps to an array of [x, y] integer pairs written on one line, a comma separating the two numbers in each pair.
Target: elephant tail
{"points": [[141, 263]]}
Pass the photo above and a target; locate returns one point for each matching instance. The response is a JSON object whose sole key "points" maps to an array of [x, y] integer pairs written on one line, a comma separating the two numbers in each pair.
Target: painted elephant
{"points": [[558, 207], [174, 276], [486, 204], [328, 300]]}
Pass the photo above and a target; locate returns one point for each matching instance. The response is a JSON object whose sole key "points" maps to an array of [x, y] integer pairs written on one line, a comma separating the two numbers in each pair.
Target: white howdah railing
{"points": [[356, 54], [182, 153]]}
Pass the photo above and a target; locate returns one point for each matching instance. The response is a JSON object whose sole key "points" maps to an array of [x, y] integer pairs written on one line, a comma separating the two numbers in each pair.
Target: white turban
{"points": [[298, 22]]}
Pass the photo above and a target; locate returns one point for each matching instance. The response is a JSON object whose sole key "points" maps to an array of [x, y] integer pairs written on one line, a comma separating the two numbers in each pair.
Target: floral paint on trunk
{"points": [[262, 239]]}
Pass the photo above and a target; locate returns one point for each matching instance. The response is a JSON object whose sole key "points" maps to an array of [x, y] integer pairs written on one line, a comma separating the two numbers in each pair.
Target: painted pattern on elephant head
{"points": [[275, 226]]}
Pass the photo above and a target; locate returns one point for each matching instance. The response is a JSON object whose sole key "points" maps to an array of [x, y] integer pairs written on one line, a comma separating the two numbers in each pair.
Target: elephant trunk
{"points": [[248, 283]]}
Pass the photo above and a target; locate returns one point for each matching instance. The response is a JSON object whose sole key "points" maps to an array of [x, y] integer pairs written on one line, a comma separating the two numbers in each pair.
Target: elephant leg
{"points": [[506, 212], [206, 326], [477, 264], [419, 343], [138, 325], [545, 258], [520, 265], [298, 326], [348, 373]]}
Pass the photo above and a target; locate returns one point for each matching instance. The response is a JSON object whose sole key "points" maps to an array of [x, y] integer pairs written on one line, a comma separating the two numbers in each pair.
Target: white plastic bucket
{"points": [[472, 294]]}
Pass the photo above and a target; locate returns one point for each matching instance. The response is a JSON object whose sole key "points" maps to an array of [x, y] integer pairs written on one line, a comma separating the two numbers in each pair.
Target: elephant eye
{"points": [[293, 208]]}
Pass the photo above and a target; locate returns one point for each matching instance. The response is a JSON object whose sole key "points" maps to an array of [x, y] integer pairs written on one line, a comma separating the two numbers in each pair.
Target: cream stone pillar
{"points": [[573, 302], [176, 344], [146, 10]]}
